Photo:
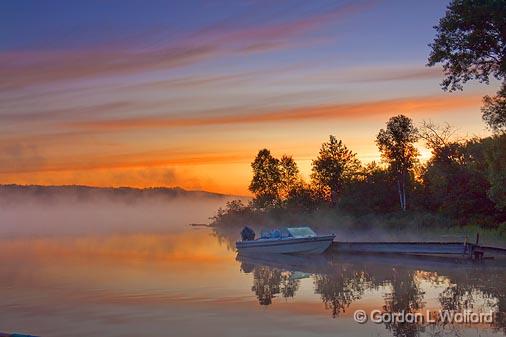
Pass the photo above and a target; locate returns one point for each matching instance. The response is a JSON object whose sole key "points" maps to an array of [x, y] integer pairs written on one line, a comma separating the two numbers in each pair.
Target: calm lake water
{"points": [[188, 282]]}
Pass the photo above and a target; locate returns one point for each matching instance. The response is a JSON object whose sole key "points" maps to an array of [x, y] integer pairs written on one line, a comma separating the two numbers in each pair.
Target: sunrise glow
{"points": [[139, 97]]}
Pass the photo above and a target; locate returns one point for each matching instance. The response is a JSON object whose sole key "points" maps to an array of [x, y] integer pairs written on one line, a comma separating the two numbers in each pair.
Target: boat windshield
{"points": [[301, 232]]}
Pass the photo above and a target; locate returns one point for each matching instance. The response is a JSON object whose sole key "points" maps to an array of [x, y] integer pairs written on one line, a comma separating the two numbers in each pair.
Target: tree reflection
{"points": [[339, 288], [269, 282], [289, 285], [465, 291], [341, 280], [456, 298], [405, 297]]}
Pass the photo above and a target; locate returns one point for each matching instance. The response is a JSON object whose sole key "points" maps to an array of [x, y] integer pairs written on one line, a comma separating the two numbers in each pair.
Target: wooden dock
{"points": [[471, 250]]}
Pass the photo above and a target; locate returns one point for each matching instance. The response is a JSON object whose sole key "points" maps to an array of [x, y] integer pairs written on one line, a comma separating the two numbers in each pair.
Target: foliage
{"points": [[396, 144], [494, 111], [233, 210], [374, 191], [275, 180], [303, 197], [437, 138], [457, 180], [290, 178], [502, 230], [334, 166], [496, 171], [470, 42], [266, 180]]}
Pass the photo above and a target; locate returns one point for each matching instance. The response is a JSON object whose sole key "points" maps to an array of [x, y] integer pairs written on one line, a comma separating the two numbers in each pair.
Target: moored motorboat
{"points": [[293, 240]]}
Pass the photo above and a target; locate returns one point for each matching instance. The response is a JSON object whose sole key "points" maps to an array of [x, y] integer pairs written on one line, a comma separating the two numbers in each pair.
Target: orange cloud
{"points": [[134, 160], [412, 105]]}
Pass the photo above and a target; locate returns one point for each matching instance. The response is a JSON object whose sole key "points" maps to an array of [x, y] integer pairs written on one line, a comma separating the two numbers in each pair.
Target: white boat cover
{"points": [[301, 232]]}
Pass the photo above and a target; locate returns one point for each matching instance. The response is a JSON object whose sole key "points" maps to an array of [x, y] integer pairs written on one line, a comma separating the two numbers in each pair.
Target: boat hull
{"points": [[311, 245]]}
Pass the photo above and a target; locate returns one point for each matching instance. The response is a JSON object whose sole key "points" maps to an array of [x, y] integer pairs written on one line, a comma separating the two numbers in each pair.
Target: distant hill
{"points": [[13, 192]]}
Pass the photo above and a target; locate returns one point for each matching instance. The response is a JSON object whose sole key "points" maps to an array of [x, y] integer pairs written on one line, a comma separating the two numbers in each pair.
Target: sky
{"points": [[185, 93]]}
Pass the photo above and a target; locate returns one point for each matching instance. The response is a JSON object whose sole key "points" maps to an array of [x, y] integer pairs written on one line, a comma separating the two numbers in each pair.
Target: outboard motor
{"points": [[247, 234]]}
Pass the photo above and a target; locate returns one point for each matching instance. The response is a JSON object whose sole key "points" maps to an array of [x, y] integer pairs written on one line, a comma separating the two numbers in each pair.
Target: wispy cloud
{"points": [[39, 66], [389, 73], [29, 68], [72, 112], [427, 104], [265, 33], [374, 73], [19, 159]]}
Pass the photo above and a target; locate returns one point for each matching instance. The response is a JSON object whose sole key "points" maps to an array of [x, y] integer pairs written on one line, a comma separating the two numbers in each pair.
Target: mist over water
{"points": [[36, 216]]}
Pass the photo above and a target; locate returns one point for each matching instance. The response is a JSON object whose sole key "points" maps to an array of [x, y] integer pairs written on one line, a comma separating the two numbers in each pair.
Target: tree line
{"points": [[464, 179]]}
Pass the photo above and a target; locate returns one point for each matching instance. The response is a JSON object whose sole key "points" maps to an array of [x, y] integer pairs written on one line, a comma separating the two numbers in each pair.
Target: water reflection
{"points": [[403, 283], [405, 296], [151, 283], [270, 282], [340, 287]]}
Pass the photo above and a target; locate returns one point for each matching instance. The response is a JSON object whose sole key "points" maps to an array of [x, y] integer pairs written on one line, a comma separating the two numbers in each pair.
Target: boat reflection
{"points": [[402, 283]]}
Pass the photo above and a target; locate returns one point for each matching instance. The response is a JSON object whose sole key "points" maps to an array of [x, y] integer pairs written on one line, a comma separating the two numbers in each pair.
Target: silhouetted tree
{"points": [[273, 179], [496, 171], [266, 180], [464, 182], [396, 144], [471, 44], [366, 194], [494, 111], [437, 137], [456, 184], [334, 166], [302, 197], [290, 178]]}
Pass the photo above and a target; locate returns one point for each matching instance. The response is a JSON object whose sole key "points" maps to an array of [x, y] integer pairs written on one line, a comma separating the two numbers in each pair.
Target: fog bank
{"points": [[63, 211]]}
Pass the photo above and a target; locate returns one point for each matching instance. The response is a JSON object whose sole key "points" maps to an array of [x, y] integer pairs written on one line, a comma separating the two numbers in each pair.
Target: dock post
{"points": [[477, 253], [466, 247]]}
